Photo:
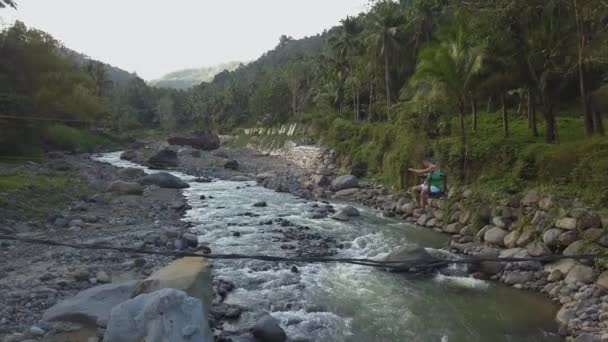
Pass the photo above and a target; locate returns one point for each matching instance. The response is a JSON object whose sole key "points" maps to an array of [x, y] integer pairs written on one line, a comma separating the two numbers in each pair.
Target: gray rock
{"points": [[575, 248], [240, 179], [531, 198], [163, 158], [267, 329], [340, 216], [567, 238], [453, 228], [408, 256], [264, 176], [566, 223], [580, 273], [351, 211], [205, 140], [495, 236], [512, 278], [190, 240], [128, 155], [163, 315], [102, 277], [499, 222], [345, 182], [260, 204], [131, 173], [125, 188], [164, 180], [551, 237], [510, 240], [91, 306], [347, 192], [231, 164], [537, 248], [36, 331]]}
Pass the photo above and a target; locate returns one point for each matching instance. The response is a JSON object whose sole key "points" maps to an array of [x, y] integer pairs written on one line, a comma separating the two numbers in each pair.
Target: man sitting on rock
{"points": [[432, 185]]}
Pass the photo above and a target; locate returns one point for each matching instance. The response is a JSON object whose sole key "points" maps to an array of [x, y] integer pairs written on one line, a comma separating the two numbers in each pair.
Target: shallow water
{"points": [[339, 302]]}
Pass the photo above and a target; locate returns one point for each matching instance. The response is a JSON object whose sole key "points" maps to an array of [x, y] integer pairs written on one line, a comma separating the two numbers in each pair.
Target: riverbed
{"points": [[338, 302]]}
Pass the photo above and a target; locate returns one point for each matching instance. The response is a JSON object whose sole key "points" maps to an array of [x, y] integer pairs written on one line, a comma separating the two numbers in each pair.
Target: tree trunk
{"points": [[463, 135], [489, 106], [550, 124], [581, 42], [598, 125], [388, 83], [371, 99], [532, 114], [474, 110], [505, 118]]}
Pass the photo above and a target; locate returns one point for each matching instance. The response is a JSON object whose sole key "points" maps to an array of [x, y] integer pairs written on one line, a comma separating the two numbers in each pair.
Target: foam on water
{"points": [[468, 282]]}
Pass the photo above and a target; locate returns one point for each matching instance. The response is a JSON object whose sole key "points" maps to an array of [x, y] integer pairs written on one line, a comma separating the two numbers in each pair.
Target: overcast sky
{"points": [[154, 37]]}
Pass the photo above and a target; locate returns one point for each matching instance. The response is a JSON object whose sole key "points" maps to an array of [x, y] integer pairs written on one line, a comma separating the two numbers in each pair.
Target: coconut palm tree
{"points": [[386, 21], [450, 67]]}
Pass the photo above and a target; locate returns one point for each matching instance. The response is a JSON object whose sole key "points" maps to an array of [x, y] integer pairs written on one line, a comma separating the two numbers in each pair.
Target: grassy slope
{"points": [[577, 167]]}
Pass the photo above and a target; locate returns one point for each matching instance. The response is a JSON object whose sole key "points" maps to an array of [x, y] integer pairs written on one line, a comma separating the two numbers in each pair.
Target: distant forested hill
{"points": [[187, 78], [119, 77]]}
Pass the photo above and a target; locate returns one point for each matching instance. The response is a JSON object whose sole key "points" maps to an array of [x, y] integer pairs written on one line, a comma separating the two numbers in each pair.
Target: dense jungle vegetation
{"points": [[505, 94]]}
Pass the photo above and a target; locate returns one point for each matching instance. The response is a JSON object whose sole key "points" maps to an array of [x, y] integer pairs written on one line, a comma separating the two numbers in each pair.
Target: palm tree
{"points": [[450, 67], [386, 19], [347, 46], [9, 3]]}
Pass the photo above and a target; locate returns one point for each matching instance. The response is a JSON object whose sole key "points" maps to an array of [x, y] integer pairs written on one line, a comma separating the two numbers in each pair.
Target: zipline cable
{"points": [[393, 265]]}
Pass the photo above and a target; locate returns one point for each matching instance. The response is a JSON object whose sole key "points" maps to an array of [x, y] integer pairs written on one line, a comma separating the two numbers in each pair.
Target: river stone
{"points": [[525, 237], [589, 220], [350, 211], [566, 223], [464, 218], [580, 273], [602, 280], [565, 315], [555, 275], [164, 180], [130, 173], [546, 203], [480, 234], [517, 277], [191, 275], [91, 306], [267, 329], [231, 164], [408, 256], [260, 204], [537, 248], [422, 220], [551, 237], [563, 265], [264, 176], [345, 182], [163, 158], [128, 155], [453, 228], [163, 315], [125, 188], [499, 222], [593, 234], [347, 192], [466, 231], [575, 248], [511, 252], [539, 218], [495, 236], [341, 216], [567, 238], [510, 240]]}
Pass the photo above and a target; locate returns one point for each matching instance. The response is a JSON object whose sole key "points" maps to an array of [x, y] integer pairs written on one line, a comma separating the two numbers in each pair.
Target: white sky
{"points": [[154, 37]]}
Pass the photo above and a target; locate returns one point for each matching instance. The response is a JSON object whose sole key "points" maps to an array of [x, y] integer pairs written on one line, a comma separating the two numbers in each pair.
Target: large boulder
{"points": [[125, 188], [164, 315], [350, 211], [267, 329], [345, 182], [164, 180], [551, 237], [128, 155], [163, 159], [91, 306], [602, 281], [231, 164], [191, 275], [203, 140], [408, 256]]}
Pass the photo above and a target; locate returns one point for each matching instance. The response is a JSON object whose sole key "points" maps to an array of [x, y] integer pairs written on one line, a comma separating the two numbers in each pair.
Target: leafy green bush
{"points": [[73, 139]]}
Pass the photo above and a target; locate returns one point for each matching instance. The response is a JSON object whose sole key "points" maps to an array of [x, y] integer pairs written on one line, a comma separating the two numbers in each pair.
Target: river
{"points": [[339, 302]]}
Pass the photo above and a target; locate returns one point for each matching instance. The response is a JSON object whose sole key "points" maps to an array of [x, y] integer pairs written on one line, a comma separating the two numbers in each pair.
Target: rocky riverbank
{"points": [[523, 225]]}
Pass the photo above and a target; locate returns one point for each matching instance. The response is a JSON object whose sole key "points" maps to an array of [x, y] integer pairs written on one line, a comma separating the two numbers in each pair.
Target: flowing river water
{"points": [[340, 302]]}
